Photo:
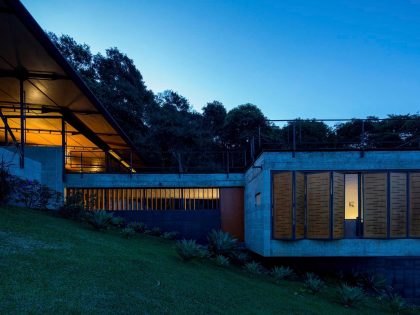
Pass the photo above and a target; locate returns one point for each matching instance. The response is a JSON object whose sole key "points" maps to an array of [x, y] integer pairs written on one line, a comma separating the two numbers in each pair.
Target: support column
{"points": [[22, 123], [6, 134], [63, 148]]}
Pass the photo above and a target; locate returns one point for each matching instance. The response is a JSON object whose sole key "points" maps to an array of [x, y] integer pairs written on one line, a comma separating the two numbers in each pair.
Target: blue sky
{"points": [[292, 58]]}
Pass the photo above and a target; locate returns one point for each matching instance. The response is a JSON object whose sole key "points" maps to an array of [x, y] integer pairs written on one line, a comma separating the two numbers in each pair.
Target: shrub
{"points": [[313, 283], [33, 194], [396, 303], [6, 182], [128, 232], [281, 273], [169, 235], [222, 261], [73, 206], [254, 268], [221, 243], [189, 250], [99, 219], [117, 221], [137, 226], [155, 231], [350, 296]]}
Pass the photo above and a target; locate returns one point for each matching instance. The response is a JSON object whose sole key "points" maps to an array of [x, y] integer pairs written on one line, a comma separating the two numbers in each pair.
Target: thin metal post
{"points": [[63, 148], [81, 164], [294, 139], [362, 139], [227, 160], [22, 124], [131, 163], [6, 134]]}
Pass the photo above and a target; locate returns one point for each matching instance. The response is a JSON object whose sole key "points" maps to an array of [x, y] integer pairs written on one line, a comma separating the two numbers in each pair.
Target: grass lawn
{"points": [[52, 265]]}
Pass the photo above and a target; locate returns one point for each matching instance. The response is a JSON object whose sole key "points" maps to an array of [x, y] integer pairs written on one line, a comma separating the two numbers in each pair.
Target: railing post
{"points": [[22, 124], [131, 163], [63, 148], [294, 139], [6, 134], [81, 163], [362, 139], [227, 165]]}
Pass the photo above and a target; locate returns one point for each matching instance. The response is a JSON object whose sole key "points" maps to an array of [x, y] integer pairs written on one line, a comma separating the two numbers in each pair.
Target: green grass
{"points": [[52, 265]]}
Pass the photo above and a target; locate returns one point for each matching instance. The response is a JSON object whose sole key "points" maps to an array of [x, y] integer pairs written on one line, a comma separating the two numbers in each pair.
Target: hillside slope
{"points": [[52, 265]]}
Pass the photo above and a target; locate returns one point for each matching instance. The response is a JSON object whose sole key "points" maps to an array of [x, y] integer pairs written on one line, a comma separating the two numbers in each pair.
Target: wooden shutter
{"points": [[338, 205], [300, 205], [375, 205], [282, 206], [318, 205], [415, 204], [398, 204]]}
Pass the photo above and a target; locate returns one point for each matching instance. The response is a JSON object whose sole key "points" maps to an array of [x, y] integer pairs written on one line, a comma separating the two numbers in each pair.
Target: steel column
{"points": [[22, 124]]}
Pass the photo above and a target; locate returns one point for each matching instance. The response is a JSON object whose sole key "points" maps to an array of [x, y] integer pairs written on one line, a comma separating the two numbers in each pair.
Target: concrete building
{"points": [[350, 205]]}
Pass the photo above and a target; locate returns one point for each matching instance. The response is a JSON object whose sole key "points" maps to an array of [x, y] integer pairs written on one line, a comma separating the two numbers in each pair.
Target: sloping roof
{"points": [[51, 87]]}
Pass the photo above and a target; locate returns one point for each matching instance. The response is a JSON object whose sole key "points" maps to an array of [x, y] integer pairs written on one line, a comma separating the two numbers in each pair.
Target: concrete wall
{"points": [[32, 170], [258, 218], [154, 180]]}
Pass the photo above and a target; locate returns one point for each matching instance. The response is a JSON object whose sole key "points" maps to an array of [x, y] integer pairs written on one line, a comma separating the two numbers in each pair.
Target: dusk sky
{"points": [[309, 59]]}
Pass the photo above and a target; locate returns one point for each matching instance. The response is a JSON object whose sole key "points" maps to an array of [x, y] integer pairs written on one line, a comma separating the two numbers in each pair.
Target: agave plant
{"points": [[189, 250], [396, 303], [117, 221], [169, 235], [222, 261], [221, 243], [99, 219], [281, 273], [349, 295], [313, 283], [128, 232], [137, 226], [254, 268]]}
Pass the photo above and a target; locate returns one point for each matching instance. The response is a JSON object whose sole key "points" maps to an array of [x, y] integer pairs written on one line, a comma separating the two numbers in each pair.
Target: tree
{"points": [[214, 115], [309, 133], [245, 122]]}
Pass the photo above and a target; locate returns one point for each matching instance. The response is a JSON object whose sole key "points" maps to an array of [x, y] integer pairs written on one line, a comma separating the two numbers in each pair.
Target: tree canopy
{"points": [[168, 132]]}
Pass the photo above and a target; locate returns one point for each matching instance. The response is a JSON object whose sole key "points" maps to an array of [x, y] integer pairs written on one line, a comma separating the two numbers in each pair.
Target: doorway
{"points": [[351, 210]]}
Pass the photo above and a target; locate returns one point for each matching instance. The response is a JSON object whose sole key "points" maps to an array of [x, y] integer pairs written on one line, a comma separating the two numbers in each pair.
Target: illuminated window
{"points": [[352, 196]]}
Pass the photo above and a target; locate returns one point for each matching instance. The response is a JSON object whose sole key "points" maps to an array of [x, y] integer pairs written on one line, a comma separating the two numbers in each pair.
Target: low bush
{"points": [[189, 250], [99, 219], [396, 303], [155, 231], [221, 243], [281, 273], [253, 268], [73, 206], [33, 194], [6, 182], [137, 226], [350, 296], [128, 232], [118, 222], [222, 261], [169, 235], [313, 283]]}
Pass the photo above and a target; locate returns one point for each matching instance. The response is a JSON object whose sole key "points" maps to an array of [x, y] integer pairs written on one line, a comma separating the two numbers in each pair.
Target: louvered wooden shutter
{"points": [[375, 205], [415, 204], [282, 206], [300, 205], [318, 205], [398, 204], [338, 205]]}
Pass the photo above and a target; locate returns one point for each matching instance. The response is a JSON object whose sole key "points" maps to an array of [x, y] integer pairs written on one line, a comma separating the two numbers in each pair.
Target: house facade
{"points": [[357, 205]]}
